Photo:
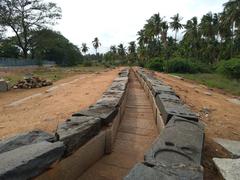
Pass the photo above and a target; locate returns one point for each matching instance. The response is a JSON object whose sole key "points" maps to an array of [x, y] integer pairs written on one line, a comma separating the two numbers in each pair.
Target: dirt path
{"points": [[44, 108], [220, 116], [135, 135]]}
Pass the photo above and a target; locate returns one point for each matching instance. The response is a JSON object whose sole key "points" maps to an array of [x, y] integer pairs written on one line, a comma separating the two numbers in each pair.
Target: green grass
{"points": [[215, 81], [53, 74]]}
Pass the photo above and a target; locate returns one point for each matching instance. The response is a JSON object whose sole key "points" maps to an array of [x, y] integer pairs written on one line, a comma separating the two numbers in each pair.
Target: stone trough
{"points": [[177, 151], [78, 143], [89, 134]]}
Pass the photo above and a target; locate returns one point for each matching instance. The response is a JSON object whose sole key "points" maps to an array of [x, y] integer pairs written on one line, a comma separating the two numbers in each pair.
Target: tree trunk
{"points": [[25, 54], [176, 36]]}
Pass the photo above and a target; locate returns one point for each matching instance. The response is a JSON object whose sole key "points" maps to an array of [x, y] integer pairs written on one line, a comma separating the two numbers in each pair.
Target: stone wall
{"points": [[177, 151], [77, 144]]}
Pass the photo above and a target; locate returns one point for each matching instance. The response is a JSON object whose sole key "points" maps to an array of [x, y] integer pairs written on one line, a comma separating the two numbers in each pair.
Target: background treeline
{"points": [[209, 44]]}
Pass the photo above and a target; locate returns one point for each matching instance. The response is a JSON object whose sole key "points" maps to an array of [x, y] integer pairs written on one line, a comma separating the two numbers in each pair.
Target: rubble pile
{"points": [[32, 82]]}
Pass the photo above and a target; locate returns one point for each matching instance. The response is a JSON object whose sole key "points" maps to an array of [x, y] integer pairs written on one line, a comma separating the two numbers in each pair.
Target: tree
{"points": [[8, 49], [164, 31], [132, 47], [96, 43], [113, 49], [50, 45], [232, 15], [121, 50], [2, 30], [84, 48], [24, 16], [176, 24]]}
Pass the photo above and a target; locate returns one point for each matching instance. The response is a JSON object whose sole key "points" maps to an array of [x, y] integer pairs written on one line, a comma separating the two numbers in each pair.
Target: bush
{"points": [[179, 65], [87, 63], [230, 68], [155, 64]]}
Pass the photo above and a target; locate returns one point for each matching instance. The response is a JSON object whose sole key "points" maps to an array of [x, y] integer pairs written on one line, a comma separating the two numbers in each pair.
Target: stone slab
{"points": [[25, 139], [106, 114], [170, 108], [144, 172], [180, 142], [232, 146], [76, 131], [229, 168], [3, 85], [29, 161]]}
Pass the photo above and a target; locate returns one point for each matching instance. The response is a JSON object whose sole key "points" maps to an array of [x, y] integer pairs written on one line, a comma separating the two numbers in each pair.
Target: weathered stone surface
{"points": [[181, 142], [121, 79], [76, 131], [113, 93], [143, 172], [25, 139], [124, 73], [29, 161], [119, 86], [229, 168], [159, 89], [109, 101], [3, 85], [106, 114], [162, 172], [170, 97], [232, 146], [169, 108]]}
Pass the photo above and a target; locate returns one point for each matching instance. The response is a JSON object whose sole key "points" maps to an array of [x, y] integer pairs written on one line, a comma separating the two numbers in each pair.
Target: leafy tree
{"points": [[176, 24], [51, 45], [96, 43], [2, 30], [84, 48], [23, 16], [8, 49]]}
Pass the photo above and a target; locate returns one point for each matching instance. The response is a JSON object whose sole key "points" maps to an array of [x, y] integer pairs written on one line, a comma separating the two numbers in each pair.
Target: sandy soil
{"points": [[220, 117], [44, 108]]}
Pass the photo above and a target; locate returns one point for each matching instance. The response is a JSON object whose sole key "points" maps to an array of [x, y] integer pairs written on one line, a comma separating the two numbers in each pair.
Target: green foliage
{"points": [[230, 68], [8, 49], [156, 64], [50, 45], [26, 15], [215, 81], [87, 64], [178, 65]]}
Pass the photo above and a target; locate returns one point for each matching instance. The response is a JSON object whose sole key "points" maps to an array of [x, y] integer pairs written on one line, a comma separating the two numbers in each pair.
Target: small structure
{"points": [[3, 85]]}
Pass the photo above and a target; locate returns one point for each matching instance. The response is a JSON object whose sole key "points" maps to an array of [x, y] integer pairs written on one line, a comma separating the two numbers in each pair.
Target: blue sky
{"points": [[117, 21]]}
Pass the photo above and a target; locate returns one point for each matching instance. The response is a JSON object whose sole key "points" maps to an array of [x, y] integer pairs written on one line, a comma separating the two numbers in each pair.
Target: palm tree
{"points": [[96, 43], [176, 25], [157, 20], [121, 50], [132, 47], [232, 11], [113, 49], [164, 26], [84, 48]]}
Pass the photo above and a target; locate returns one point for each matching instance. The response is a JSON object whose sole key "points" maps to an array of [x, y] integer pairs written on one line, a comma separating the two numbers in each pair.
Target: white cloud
{"points": [[117, 21]]}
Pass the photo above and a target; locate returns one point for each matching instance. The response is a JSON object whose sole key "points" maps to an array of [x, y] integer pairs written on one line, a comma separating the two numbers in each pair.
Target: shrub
{"points": [[230, 68], [156, 64], [179, 65], [87, 63]]}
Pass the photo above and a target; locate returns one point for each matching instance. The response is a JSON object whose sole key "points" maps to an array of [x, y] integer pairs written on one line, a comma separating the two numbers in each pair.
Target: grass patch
{"points": [[215, 81], [53, 73]]}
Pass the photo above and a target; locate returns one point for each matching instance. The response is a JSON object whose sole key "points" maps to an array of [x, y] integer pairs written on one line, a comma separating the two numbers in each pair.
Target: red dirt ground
{"points": [[220, 117], [49, 108]]}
